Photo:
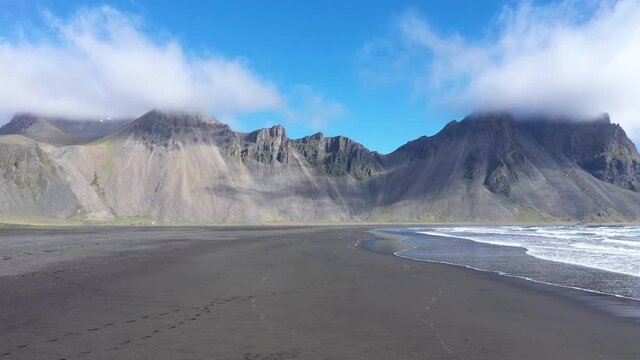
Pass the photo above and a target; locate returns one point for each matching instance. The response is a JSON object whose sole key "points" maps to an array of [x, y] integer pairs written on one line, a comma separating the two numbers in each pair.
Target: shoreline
{"points": [[391, 244], [386, 242], [11, 222]]}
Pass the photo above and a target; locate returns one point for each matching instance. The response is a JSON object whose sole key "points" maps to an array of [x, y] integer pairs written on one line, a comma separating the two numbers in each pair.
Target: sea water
{"points": [[602, 259]]}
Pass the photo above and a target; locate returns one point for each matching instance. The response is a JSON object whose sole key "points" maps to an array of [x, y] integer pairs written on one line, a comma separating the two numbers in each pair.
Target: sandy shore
{"points": [[274, 293]]}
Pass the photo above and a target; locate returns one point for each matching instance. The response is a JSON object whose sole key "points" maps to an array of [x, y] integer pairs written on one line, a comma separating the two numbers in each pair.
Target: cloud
{"points": [[99, 63], [567, 58]]}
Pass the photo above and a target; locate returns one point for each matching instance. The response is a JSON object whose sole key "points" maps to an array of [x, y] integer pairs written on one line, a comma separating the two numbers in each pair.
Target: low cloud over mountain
{"points": [[100, 62], [568, 58]]}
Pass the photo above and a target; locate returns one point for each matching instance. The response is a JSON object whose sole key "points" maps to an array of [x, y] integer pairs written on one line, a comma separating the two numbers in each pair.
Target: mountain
{"points": [[59, 131], [173, 166], [489, 167], [31, 184]]}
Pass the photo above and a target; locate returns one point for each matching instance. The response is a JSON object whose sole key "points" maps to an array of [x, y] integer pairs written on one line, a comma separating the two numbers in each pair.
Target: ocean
{"points": [[603, 259]]}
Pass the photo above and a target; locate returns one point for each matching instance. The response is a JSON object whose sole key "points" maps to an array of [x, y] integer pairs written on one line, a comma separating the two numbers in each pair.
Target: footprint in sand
{"points": [[281, 355]]}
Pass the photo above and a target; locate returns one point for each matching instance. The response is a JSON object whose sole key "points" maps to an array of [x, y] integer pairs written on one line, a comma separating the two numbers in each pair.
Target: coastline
{"points": [[385, 242], [617, 305], [285, 293], [44, 222]]}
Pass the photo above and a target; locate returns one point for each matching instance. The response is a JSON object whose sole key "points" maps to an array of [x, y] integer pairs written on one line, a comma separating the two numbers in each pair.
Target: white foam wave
{"points": [[401, 254], [622, 242], [614, 249]]}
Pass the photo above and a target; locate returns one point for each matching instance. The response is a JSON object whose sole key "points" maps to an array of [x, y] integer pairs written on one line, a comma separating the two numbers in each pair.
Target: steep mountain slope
{"points": [[487, 167], [182, 167], [600, 148], [31, 184], [492, 167]]}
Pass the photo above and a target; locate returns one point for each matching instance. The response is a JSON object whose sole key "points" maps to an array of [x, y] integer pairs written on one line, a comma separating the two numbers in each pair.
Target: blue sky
{"points": [[349, 68]]}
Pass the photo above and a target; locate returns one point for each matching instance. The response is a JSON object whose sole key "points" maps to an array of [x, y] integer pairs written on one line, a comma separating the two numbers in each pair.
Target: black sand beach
{"points": [[274, 293]]}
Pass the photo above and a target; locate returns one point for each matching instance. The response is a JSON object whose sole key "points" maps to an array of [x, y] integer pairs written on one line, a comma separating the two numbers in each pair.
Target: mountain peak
{"points": [[158, 127], [18, 124], [603, 118], [156, 118], [266, 135]]}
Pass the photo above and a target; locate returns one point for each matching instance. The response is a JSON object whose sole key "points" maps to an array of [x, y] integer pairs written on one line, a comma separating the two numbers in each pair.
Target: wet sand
{"points": [[274, 293]]}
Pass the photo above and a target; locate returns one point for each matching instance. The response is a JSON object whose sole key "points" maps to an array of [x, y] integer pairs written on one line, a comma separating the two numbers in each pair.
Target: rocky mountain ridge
{"points": [[59, 131], [173, 166]]}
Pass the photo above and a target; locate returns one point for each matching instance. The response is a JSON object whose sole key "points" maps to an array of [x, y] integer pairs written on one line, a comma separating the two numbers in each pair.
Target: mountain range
{"points": [[183, 167]]}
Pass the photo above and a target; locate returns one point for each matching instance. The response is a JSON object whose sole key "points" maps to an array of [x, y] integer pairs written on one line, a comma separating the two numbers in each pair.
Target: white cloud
{"points": [[567, 58], [100, 63]]}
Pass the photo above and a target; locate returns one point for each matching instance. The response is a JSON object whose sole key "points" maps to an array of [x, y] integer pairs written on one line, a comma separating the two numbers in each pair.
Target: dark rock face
{"points": [[599, 147], [339, 156], [529, 168], [19, 124], [503, 165], [172, 129], [266, 146]]}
